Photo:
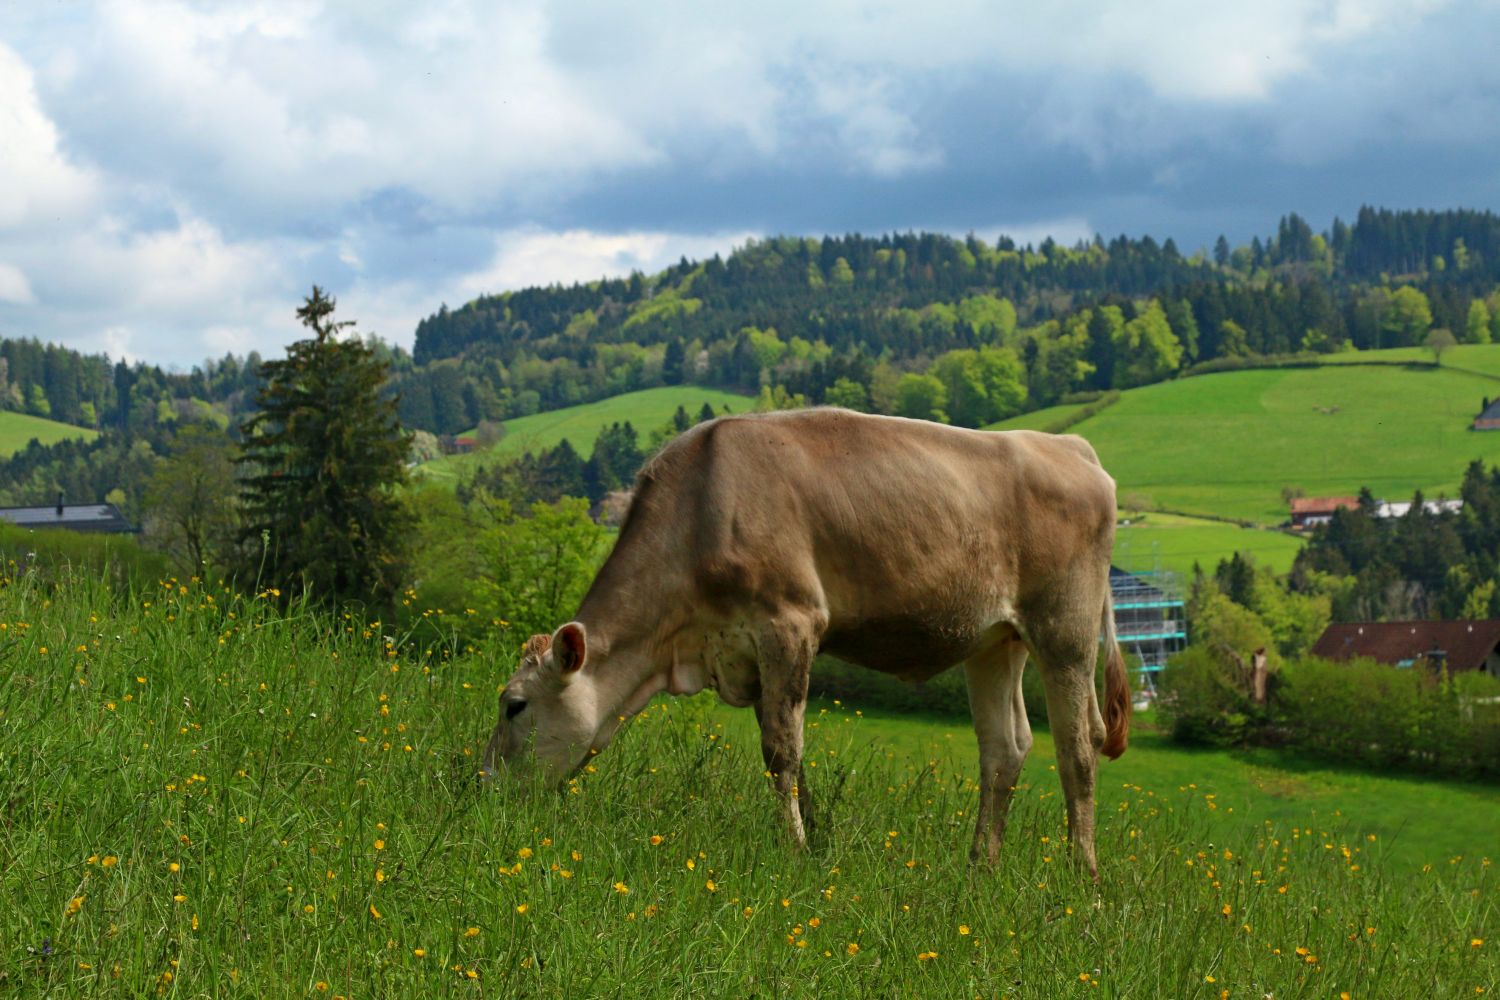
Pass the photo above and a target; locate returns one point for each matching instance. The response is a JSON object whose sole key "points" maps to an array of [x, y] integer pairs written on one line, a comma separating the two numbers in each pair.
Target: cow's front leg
{"points": [[786, 654]]}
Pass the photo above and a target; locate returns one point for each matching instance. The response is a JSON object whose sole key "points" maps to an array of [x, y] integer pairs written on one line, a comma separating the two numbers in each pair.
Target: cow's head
{"points": [[551, 701]]}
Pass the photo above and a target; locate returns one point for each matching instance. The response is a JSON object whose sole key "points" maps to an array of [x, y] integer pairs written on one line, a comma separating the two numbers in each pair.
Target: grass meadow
{"points": [[646, 410], [208, 796], [1156, 541], [18, 429], [1226, 444]]}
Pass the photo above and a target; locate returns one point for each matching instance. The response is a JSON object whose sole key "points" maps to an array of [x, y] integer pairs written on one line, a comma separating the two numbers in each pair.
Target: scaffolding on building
{"points": [[1150, 618]]}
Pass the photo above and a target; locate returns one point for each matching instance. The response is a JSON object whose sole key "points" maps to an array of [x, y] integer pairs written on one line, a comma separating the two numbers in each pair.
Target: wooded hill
{"points": [[807, 313], [925, 325]]}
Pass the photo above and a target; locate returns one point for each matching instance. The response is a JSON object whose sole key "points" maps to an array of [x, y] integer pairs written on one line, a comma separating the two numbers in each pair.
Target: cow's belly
{"points": [[911, 648]]}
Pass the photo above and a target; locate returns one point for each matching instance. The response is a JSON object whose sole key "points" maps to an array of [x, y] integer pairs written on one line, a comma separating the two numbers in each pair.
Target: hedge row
{"points": [[1360, 712]]}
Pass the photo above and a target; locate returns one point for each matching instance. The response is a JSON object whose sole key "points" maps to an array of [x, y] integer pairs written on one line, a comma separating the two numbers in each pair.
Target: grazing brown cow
{"points": [[755, 542]]}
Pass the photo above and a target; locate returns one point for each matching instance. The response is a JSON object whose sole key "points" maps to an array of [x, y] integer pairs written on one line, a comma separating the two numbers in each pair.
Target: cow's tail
{"points": [[1116, 688]]}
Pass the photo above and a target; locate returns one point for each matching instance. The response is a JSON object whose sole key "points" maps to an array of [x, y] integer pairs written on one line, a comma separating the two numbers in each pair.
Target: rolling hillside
{"points": [[17, 430], [646, 410], [1226, 444]]}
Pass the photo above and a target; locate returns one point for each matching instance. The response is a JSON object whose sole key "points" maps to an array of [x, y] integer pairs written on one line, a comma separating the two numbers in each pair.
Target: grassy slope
{"points": [[1172, 542], [1226, 444], [1417, 820], [647, 410], [17, 430], [260, 804], [1037, 419]]}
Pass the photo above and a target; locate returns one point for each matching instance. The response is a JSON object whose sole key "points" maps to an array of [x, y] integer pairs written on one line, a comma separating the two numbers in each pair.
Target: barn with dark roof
{"points": [[1456, 645]]}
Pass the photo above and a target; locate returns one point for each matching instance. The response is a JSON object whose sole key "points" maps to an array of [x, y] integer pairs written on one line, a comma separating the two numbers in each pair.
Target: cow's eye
{"points": [[515, 707]]}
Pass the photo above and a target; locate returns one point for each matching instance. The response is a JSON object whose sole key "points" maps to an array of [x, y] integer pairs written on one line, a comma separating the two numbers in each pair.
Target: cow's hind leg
{"points": [[1067, 647], [786, 649], [1004, 733]]}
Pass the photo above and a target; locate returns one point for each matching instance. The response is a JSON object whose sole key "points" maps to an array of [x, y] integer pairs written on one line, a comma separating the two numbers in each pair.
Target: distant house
{"points": [[1457, 645], [460, 444], [1489, 416], [98, 518], [1309, 512]]}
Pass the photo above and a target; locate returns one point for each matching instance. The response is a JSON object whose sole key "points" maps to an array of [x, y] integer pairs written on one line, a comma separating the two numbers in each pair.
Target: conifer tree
{"points": [[323, 463]]}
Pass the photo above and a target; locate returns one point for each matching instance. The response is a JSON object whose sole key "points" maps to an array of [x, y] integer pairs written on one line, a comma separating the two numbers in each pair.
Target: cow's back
{"points": [[914, 537]]}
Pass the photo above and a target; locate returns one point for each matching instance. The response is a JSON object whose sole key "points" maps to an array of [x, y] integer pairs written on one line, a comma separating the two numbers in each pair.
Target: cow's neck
{"points": [[630, 640]]}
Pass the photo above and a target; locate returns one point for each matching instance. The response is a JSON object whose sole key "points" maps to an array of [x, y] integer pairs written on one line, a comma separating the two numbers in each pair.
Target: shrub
{"points": [[1199, 701]]}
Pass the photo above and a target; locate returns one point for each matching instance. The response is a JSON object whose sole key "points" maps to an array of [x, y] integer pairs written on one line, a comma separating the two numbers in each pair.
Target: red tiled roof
{"points": [[1466, 643], [1323, 505]]}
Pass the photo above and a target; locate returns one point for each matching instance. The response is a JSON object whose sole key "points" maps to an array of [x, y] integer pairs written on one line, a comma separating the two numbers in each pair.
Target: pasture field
{"points": [[1483, 358], [209, 796], [17, 430], [1226, 444], [646, 410], [1038, 420], [1172, 542]]}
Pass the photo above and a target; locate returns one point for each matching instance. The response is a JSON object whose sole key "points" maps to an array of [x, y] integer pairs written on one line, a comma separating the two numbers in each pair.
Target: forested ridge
{"points": [[807, 313], [955, 329]]}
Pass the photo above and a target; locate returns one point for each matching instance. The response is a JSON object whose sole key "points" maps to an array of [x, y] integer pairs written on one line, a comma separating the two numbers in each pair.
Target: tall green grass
{"points": [[208, 796]]}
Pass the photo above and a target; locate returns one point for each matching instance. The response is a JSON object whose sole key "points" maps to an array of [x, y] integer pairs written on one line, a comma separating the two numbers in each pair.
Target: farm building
{"points": [[1489, 416], [1456, 645], [1150, 619], [1309, 512], [89, 517]]}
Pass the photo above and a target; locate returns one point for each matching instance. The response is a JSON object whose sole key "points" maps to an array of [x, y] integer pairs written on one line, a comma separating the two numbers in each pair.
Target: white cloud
{"points": [[37, 184], [536, 257], [175, 173], [14, 287]]}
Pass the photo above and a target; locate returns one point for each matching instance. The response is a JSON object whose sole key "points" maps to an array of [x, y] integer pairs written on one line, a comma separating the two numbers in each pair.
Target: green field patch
{"points": [[1226, 444], [646, 410], [18, 429], [1156, 541]]}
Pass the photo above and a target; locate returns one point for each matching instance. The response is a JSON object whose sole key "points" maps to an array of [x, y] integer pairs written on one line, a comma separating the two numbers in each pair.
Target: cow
{"points": [[755, 542]]}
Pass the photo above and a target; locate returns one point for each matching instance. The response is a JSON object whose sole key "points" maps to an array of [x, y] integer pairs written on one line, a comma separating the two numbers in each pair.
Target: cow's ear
{"points": [[569, 647]]}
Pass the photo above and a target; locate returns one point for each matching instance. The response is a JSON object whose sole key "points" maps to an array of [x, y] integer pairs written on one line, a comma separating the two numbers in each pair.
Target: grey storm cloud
{"points": [[174, 175]]}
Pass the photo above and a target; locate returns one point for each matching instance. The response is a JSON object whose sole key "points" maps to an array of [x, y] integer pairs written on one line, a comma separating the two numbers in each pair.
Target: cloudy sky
{"points": [[174, 176]]}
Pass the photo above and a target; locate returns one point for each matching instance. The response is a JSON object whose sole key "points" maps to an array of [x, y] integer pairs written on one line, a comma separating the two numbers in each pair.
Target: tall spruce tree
{"points": [[323, 462]]}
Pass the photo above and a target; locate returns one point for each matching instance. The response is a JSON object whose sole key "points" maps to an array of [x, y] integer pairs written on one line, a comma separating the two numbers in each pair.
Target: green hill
{"points": [[646, 410], [1227, 444], [17, 430]]}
